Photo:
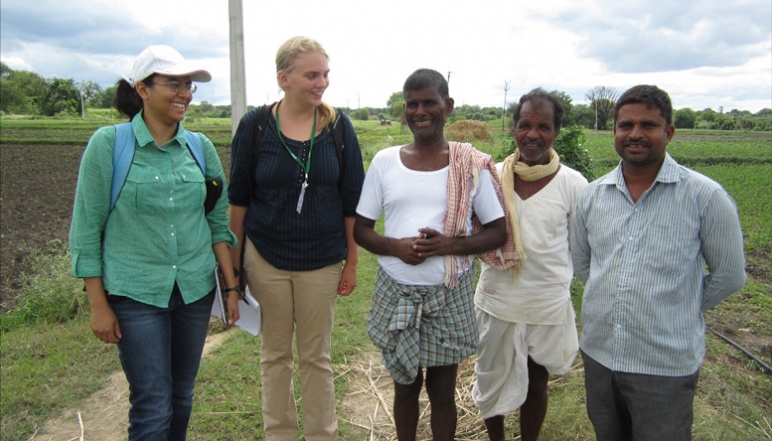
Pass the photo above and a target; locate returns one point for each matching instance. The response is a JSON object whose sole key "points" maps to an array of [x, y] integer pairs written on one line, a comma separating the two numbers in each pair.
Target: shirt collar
{"points": [[143, 135], [668, 173]]}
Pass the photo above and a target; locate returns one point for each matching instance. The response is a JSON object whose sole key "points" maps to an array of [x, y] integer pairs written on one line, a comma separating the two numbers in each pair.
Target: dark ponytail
{"points": [[127, 100]]}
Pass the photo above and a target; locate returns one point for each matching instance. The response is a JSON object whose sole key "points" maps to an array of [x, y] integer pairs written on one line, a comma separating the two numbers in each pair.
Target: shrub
{"points": [[569, 147], [684, 118], [50, 293], [361, 114]]}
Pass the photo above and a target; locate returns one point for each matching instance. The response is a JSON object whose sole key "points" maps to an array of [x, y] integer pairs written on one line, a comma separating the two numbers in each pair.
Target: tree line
{"points": [[27, 93], [598, 114]]}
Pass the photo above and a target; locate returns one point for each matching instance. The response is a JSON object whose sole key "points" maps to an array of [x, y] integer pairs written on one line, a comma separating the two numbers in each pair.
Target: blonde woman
{"points": [[294, 205]]}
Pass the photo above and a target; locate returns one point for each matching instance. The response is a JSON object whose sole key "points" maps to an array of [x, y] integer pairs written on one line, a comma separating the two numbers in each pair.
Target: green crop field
{"points": [[50, 363]]}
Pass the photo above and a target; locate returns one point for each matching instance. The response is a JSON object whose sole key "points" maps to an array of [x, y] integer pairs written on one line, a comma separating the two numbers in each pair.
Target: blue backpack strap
{"points": [[196, 149], [123, 153]]}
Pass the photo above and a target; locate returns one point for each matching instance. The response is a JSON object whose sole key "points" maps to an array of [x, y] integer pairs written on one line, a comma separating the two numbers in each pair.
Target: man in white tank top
{"points": [[440, 205]]}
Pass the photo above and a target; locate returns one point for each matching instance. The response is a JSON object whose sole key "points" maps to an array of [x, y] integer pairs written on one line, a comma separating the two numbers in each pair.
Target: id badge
{"points": [[299, 208]]}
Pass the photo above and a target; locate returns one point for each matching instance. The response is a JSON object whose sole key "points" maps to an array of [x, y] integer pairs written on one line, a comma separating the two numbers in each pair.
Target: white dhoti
{"points": [[502, 358]]}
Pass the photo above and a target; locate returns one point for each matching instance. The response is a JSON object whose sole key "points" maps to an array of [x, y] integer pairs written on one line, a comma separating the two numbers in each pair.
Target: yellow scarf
{"points": [[527, 173]]}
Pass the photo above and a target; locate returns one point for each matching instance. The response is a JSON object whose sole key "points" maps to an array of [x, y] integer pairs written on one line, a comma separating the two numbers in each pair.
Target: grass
{"points": [[692, 147], [751, 187], [49, 292], [38, 375], [46, 368], [52, 362], [74, 365]]}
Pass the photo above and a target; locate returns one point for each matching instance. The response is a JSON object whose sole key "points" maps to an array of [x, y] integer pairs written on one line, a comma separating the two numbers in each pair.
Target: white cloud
{"points": [[17, 63], [704, 53]]}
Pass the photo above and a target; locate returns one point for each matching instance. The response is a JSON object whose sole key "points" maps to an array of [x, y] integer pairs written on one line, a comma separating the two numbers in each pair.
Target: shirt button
{"points": [[156, 178], [172, 234], [174, 266], [171, 199], [171, 191]]}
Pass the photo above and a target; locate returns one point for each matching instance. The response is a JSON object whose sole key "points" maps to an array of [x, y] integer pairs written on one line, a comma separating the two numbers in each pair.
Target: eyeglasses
{"points": [[177, 86]]}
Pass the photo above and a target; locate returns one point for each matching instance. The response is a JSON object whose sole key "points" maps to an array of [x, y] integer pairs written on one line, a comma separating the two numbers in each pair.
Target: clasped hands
{"points": [[429, 242]]}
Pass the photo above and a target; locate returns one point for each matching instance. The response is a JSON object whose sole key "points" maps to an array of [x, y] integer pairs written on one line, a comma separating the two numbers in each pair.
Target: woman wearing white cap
{"points": [[147, 257]]}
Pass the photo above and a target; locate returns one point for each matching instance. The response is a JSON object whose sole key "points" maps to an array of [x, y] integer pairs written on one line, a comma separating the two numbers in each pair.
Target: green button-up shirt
{"points": [[157, 233]]}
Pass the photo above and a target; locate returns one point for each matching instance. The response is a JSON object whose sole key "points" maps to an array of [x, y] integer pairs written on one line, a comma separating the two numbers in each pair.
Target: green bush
{"points": [[569, 147], [49, 293], [361, 114]]}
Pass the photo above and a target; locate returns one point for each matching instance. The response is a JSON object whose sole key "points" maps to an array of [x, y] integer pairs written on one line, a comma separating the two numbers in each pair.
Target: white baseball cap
{"points": [[165, 60]]}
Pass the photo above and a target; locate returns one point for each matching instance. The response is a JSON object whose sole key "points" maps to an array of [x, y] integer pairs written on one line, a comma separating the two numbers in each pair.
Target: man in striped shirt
{"points": [[656, 245]]}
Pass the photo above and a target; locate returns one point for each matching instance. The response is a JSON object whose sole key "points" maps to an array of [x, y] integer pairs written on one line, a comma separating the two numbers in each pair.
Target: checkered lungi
{"points": [[417, 325]]}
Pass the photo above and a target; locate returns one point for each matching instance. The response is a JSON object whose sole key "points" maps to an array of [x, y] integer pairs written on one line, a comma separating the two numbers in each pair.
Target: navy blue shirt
{"points": [[316, 237]]}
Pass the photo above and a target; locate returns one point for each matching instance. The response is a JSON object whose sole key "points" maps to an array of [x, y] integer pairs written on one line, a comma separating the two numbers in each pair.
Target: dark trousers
{"points": [[636, 407]]}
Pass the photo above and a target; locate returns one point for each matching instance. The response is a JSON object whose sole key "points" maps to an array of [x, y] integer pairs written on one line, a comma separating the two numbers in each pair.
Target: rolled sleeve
{"points": [[92, 204]]}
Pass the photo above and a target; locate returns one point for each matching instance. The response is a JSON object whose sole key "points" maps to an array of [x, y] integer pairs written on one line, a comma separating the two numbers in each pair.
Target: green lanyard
{"points": [[305, 167]]}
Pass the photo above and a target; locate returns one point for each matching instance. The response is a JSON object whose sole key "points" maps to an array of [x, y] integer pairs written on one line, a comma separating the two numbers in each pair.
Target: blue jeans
{"points": [[160, 351], [624, 406]]}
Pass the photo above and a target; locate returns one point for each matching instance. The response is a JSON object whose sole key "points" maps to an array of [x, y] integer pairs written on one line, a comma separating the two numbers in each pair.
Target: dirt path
{"points": [[366, 406], [103, 416]]}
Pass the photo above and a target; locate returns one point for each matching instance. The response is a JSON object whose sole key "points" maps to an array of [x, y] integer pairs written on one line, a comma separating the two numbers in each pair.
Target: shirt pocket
{"points": [[193, 188], [143, 186], [675, 242]]}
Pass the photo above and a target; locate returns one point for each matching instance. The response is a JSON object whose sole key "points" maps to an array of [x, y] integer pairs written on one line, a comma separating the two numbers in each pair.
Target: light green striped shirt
{"points": [[157, 233], [652, 267]]}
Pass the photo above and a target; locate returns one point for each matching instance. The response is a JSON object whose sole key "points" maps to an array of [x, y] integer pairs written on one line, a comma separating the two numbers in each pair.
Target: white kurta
{"points": [[538, 294], [529, 314]]}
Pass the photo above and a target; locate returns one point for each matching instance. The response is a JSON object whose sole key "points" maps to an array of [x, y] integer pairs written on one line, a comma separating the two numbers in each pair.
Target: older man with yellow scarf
{"points": [[525, 316]]}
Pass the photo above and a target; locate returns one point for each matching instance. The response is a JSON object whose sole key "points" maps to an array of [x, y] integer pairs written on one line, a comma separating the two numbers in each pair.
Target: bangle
{"points": [[232, 289]]}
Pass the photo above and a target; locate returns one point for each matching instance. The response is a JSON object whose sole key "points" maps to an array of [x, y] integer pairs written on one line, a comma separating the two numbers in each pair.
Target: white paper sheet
{"points": [[249, 309]]}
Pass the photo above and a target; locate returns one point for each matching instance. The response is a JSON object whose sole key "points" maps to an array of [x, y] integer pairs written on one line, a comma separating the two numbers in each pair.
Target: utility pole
{"points": [[506, 89], [82, 105], [238, 76], [449, 78]]}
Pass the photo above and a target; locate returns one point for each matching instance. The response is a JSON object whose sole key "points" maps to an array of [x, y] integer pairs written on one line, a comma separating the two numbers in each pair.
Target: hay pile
{"points": [[468, 130], [368, 404]]}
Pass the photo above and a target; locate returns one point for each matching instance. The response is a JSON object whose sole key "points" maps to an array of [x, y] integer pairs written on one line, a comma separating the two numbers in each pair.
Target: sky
{"points": [[705, 53]]}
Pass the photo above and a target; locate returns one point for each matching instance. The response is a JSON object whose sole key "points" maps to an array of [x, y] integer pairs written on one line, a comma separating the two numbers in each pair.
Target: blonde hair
{"points": [[285, 61]]}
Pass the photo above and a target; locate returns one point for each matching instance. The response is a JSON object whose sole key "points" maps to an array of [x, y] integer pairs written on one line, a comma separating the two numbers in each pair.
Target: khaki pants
{"points": [[302, 304]]}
